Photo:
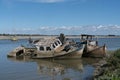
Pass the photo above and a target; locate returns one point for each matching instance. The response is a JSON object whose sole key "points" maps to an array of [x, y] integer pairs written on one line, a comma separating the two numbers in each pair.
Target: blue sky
{"points": [[60, 16]]}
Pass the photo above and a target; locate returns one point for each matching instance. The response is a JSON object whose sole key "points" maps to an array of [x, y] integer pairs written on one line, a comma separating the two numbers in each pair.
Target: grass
{"points": [[117, 53], [112, 71]]}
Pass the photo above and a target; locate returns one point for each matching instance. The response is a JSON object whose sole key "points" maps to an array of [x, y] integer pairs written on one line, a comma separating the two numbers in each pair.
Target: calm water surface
{"points": [[28, 69]]}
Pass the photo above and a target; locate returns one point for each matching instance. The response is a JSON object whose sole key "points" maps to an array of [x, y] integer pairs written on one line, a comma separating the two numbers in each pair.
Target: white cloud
{"points": [[72, 30], [100, 26]]}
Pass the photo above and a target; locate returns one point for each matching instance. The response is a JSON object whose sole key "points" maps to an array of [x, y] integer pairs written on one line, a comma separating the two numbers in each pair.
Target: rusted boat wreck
{"points": [[92, 49], [58, 47]]}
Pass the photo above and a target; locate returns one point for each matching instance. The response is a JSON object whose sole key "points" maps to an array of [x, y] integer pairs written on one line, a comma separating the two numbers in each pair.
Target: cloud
{"points": [[72, 30]]}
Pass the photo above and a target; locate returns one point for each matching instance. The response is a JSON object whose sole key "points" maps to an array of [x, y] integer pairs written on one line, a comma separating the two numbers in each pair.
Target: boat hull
{"points": [[16, 52], [95, 51], [33, 53], [73, 53]]}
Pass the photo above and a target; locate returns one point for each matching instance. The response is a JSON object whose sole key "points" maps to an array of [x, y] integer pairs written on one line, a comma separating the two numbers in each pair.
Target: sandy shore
{"points": [[47, 36], [34, 37], [23, 37]]}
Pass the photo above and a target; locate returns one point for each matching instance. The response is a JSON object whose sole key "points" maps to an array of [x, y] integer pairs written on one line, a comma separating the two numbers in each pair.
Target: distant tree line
{"points": [[4, 34], [31, 35], [19, 34], [25, 35]]}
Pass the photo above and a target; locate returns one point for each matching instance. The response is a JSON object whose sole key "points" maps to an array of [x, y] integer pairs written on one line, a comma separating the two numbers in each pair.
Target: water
{"points": [[28, 69], [111, 43]]}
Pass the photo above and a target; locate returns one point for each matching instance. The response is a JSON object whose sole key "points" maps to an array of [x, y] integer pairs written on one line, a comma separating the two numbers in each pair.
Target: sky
{"points": [[101, 17]]}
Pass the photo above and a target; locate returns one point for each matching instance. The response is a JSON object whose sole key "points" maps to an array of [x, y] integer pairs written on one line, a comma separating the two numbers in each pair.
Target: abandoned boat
{"points": [[49, 48], [16, 52], [13, 38], [92, 49]]}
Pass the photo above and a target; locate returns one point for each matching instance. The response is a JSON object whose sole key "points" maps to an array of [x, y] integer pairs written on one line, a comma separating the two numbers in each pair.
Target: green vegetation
{"points": [[112, 68], [117, 53]]}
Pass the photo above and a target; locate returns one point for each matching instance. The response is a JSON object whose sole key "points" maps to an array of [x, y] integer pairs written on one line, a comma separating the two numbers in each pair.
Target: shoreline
{"points": [[2, 37], [108, 67]]}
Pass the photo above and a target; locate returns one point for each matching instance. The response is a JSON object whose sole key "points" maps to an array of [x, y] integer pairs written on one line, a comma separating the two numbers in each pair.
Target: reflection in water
{"points": [[50, 68], [60, 69]]}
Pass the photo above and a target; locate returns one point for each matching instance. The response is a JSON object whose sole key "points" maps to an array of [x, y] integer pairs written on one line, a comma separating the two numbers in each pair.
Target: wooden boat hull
{"points": [[16, 52], [73, 53], [33, 53], [50, 48], [95, 51]]}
